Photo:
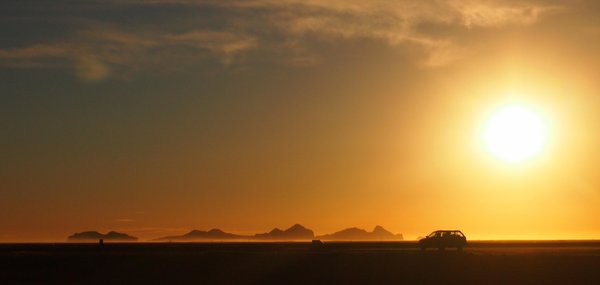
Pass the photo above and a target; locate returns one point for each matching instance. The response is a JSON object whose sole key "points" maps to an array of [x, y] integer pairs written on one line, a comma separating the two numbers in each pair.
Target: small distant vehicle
{"points": [[442, 239]]}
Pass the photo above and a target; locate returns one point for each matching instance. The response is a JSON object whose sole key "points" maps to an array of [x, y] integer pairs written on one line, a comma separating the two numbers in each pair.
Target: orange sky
{"points": [[156, 119]]}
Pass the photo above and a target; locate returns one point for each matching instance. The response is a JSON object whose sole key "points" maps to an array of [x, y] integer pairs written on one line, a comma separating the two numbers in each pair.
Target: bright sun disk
{"points": [[515, 134]]}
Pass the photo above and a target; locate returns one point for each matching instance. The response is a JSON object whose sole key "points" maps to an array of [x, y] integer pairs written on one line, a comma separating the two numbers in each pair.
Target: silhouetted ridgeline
{"points": [[93, 236], [295, 233], [196, 235], [356, 234]]}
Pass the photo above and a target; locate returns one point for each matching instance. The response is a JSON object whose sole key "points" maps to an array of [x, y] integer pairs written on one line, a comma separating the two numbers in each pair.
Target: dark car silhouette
{"points": [[443, 239]]}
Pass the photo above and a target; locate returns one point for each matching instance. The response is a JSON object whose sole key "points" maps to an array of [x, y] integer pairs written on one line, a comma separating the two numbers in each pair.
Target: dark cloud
{"points": [[97, 39]]}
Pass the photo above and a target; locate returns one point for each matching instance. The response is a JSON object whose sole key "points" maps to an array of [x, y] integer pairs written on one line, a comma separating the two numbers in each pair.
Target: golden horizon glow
{"points": [[482, 116], [515, 133]]}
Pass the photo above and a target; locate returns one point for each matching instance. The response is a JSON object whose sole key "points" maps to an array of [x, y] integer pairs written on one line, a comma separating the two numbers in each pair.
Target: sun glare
{"points": [[515, 134]]}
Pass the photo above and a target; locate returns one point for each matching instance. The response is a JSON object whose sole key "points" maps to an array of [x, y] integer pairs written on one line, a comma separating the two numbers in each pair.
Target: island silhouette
{"points": [[94, 236], [356, 234], [197, 235], [296, 232]]}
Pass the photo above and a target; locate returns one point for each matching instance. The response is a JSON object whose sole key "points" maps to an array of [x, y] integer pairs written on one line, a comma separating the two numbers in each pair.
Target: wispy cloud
{"points": [[32, 56], [107, 47], [99, 51], [225, 45]]}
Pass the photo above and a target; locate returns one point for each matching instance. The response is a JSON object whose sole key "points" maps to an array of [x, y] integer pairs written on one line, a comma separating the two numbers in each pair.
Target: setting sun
{"points": [[515, 134]]}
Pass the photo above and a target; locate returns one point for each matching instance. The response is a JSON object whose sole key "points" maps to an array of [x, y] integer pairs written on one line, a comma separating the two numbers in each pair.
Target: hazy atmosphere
{"points": [[158, 117]]}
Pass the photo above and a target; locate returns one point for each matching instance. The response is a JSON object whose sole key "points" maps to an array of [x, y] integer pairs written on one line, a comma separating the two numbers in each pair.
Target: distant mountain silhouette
{"points": [[95, 236], [356, 234], [196, 235], [296, 232]]}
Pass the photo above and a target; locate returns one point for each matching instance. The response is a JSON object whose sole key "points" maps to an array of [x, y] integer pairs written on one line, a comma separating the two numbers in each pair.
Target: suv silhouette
{"points": [[443, 239]]}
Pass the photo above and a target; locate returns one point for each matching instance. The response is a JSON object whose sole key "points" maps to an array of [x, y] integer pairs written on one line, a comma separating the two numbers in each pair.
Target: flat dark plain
{"points": [[481, 262]]}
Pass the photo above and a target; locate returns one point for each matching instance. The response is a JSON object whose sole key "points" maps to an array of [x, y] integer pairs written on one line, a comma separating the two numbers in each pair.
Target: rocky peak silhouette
{"points": [[356, 234], [295, 232], [94, 236]]}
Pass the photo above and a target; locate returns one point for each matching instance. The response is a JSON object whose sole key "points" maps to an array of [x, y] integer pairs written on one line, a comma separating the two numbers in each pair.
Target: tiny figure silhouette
{"points": [[444, 238]]}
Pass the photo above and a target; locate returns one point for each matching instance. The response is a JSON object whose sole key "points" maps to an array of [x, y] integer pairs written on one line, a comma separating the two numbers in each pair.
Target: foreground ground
{"points": [[300, 263]]}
